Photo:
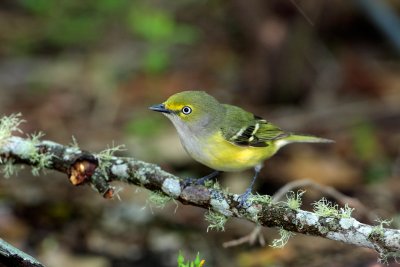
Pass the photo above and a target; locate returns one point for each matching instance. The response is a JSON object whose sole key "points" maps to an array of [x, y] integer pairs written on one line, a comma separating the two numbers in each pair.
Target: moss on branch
{"points": [[100, 170]]}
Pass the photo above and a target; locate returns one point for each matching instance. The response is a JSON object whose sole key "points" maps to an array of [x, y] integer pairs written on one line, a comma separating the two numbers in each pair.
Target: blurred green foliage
{"points": [[378, 171], [365, 142], [369, 150], [65, 23], [146, 126], [84, 24], [161, 31], [196, 263]]}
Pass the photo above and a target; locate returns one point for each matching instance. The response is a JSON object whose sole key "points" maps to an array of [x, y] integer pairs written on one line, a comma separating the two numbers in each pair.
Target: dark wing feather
{"points": [[245, 129]]}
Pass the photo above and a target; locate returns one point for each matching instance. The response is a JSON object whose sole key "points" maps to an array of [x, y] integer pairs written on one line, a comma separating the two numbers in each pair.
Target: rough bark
{"points": [[11, 256]]}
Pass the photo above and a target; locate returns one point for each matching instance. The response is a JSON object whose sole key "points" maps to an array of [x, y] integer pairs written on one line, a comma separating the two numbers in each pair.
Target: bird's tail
{"points": [[298, 138]]}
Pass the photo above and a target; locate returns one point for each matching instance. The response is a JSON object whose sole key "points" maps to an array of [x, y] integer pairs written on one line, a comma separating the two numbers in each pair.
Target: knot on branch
{"points": [[82, 169]]}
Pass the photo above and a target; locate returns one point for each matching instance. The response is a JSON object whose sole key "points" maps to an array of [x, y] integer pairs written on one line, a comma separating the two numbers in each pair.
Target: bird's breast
{"points": [[216, 152], [213, 150]]}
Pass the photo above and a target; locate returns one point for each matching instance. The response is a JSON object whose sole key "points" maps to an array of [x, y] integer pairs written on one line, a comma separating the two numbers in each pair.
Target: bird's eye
{"points": [[186, 110]]}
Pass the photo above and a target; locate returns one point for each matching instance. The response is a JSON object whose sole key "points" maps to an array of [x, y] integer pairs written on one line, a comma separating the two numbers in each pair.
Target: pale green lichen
{"points": [[106, 157], [284, 238], [74, 143], [9, 124], [378, 232], [108, 153], [294, 200], [384, 257], [40, 161], [210, 183], [380, 228], [345, 213], [158, 199], [35, 137], [9, 169], [264, 200], [324, 208], [216, 220], [26, 150]]}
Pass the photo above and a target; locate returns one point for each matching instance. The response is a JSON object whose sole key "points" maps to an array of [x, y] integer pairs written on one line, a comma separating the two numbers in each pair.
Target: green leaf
{"points": [[180, 259], [197, 260]]}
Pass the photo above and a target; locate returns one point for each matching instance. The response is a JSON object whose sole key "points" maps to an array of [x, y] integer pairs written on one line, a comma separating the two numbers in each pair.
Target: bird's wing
{"points": [[245, 129]]}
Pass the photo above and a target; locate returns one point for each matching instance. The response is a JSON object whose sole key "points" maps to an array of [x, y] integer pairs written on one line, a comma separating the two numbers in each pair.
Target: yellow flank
{"points": [[219, 154]]}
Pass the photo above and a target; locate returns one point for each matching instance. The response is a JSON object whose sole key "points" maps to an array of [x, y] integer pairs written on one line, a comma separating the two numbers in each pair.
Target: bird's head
{"points": [[192, 108]]}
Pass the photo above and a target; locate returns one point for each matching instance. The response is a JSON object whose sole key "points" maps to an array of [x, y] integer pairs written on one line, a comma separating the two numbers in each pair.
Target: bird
{"points": [[224, 137]]}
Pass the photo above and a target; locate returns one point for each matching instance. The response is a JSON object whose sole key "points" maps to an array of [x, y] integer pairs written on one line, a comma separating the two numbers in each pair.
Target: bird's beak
{"points": [[160, 108]]}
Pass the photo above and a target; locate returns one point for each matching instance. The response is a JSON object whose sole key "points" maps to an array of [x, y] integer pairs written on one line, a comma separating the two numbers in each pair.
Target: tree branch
{"points": [[100, 169], [14, 257], [328, 191]]}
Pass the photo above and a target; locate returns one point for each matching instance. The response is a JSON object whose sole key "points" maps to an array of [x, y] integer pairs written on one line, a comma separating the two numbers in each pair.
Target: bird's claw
{"points": [[243, 199], [200, 181], [188, 181], [193, 181]]}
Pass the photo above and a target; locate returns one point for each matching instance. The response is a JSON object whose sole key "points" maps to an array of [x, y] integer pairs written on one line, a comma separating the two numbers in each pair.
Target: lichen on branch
{"points": [[100, 170]]}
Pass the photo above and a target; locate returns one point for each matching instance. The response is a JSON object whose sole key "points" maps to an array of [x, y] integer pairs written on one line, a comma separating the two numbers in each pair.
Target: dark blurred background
{"points": [[90, 69]]}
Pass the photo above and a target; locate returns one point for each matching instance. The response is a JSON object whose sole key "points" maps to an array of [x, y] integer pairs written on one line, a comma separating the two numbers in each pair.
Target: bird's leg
{"points": [[202, 180], [243, 197]]}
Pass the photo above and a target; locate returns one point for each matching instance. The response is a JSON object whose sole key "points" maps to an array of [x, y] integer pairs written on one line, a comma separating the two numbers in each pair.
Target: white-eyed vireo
{"points": [[225, 137]]}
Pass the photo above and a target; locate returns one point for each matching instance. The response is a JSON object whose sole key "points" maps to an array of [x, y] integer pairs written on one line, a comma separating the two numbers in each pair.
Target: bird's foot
{"points": [[194, 181], [200, 181], [189, 181], [243, 199]]}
